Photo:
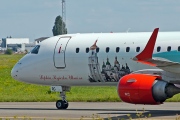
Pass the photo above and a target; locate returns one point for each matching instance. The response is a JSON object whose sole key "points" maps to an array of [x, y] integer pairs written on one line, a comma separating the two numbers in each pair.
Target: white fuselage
{"points": [[72, 60]]}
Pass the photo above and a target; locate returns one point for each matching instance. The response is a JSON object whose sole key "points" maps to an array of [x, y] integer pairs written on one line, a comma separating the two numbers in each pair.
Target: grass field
{"points": [[15, 91]]}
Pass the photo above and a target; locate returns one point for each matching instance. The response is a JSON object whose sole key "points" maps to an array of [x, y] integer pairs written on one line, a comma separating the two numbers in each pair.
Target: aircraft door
{"points": [[60, 52]]}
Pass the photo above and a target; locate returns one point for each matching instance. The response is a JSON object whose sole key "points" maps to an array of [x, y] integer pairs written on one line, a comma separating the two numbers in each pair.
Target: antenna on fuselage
{"points": [[128, 30]]}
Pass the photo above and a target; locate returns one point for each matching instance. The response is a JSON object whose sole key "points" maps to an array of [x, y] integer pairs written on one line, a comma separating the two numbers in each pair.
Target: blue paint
{"points": [[172, 55]]}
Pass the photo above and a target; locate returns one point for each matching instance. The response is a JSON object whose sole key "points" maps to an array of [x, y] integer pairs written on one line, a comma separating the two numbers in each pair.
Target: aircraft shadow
{"points": [[142, 114]]}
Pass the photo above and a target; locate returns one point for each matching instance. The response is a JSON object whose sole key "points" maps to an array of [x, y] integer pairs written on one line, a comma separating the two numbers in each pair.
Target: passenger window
{"points": [[117, 49], [97, 49], [137, 49], [77, 50], [35, 50], [158, 49], [127, 49], [169, 48], [87, 50], [179, 48], [107, 49]]}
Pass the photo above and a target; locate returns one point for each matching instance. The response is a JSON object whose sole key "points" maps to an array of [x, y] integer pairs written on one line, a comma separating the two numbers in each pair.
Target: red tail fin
{"points": [[148, 50]]}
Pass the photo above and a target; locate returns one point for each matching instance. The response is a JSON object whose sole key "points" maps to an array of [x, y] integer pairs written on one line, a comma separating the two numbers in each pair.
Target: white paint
{"points": [[41, 69]]}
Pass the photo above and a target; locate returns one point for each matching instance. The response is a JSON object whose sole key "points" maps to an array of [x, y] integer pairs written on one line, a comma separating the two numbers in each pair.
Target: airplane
{"points": [[144, 66]]}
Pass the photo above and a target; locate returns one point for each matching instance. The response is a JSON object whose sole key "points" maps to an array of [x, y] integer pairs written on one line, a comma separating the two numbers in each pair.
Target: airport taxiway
{"points": [[88, 110]]}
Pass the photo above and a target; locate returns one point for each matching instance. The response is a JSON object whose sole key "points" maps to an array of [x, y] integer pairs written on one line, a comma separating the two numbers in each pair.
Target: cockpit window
{"points": [[35, 50]]}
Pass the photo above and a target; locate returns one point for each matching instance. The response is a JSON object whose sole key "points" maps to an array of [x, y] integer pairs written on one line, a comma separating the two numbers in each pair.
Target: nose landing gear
{"points": [[63, 103]]}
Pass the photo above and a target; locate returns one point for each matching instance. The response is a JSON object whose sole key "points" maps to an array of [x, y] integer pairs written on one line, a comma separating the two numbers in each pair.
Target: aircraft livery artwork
{"points": [[106, 73]]}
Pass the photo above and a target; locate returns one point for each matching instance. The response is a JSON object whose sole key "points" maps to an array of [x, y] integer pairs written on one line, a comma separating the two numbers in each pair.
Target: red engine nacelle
{"points": [[137, 89]]}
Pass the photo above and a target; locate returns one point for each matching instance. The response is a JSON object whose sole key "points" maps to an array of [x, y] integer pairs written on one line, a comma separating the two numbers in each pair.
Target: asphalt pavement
{"points": [[88, 110]]}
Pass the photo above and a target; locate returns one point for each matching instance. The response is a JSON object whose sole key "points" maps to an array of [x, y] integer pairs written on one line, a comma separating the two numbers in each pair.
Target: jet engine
{"points": [[145, 89]]}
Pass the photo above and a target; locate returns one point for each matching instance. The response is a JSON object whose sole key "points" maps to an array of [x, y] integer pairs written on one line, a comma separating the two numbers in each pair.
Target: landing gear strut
{"points": [[63, 104]]}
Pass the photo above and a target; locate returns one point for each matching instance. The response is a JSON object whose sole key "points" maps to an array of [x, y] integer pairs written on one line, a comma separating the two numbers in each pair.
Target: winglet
{"points": [[146, 54]]}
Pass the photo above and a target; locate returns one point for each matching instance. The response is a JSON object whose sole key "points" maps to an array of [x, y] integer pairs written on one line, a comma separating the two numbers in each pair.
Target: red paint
{"points": [[54, 77], [60, 49], [148, 50], [45, 77], [146, 62], [139, 91]]}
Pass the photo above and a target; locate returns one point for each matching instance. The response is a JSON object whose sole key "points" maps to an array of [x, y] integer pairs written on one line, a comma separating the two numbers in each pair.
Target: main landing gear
{"points": [[63, 104]]}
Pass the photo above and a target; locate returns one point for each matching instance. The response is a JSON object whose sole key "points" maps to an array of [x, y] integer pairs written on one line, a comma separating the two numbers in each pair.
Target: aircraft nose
{"points": [[14, 72]]}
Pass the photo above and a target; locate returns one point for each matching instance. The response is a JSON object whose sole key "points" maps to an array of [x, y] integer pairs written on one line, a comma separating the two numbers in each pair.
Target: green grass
{"points": [[15, 91]]}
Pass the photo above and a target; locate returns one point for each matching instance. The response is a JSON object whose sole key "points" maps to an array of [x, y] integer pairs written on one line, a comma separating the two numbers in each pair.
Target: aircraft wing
{"points": [[145, 56], [160, 62]]}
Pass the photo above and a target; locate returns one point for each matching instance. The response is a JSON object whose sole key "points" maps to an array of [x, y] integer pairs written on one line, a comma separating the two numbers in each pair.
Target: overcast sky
{"points": [[35, 18]]}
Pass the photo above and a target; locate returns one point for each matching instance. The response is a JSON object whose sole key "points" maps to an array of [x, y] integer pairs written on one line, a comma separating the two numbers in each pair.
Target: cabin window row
{"points": [[126, 50], [168, 49], [108, 49]]}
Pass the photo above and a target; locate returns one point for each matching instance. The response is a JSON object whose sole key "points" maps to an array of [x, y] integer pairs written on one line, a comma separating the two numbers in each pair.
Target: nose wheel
{"points": [[63, 104]]}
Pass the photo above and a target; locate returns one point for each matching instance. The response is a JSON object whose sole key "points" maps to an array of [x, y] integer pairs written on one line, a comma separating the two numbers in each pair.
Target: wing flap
{"points": [[160, 62]]}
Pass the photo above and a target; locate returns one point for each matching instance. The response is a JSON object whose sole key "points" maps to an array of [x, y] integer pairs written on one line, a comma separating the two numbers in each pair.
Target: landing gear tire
{"points": [[62, 104], [66, 104]]}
